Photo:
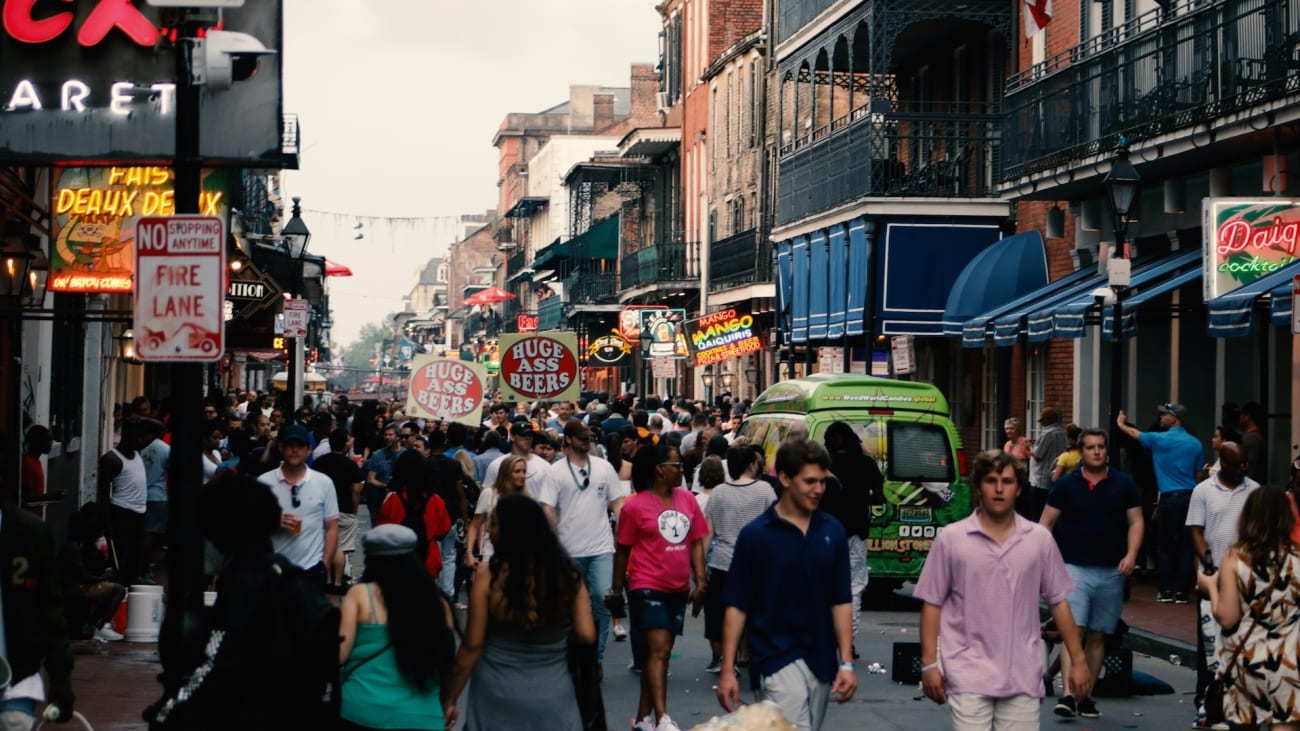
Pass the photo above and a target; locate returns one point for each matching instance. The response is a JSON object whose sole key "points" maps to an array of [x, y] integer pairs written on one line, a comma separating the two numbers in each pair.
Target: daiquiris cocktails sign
{"points": [[1247, 238]]}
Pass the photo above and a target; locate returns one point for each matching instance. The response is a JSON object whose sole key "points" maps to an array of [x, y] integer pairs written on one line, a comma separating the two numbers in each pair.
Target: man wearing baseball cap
{"points": [[1177, 457], [309, 507], [521, 444]]}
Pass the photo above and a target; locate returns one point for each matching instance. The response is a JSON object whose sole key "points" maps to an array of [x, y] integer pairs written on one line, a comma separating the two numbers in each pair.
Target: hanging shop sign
{"points": [[609, 351], [526, 323], [629, 321], [539, 367], [107, 71], [722, 335], [442, 388], [1245, 239], [95, 215], [667, 340], [179, 293]]}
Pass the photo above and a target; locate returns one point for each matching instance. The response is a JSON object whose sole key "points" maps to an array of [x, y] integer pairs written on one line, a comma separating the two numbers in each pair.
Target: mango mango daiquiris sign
{"points": [[1245, 239], [722, 335]]}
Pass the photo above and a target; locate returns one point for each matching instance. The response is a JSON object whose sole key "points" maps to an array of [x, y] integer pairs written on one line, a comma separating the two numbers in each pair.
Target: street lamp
{"points": [[15, 260], [646, 339], [1121, 185], [752, 373], [295, 237], [727, 378], [707, 380]]}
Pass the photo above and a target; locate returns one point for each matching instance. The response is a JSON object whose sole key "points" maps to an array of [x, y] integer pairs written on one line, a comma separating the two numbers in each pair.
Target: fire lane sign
{"points": [[180, 264]]}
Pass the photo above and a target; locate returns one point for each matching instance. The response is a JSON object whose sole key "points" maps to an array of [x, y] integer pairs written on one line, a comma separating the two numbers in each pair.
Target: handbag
{"points": [[1214, 692]]}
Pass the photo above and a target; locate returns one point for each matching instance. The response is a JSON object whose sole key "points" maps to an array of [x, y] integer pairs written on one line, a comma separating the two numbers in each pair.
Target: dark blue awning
{"points": [[976, 331], [1068, 318], [919, 264], [998, 275], [1131, 305], [1231, 314]]}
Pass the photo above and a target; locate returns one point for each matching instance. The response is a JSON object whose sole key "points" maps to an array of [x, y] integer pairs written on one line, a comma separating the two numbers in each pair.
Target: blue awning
{"points": [[975, 331], [999, 274], [1131, 305], [784, 289], [799, 305], [1231, 314], [819, 281], [837, 301], [857, 294], [919, 263], [1068, 318]]}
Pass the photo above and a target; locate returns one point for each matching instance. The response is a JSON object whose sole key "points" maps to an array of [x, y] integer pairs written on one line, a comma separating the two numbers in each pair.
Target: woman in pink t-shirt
{"points": [[666, 527]]}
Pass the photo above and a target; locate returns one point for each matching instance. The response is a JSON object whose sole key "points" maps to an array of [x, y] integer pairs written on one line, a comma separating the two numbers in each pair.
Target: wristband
{"points": [[846, 666], [932, 666]]}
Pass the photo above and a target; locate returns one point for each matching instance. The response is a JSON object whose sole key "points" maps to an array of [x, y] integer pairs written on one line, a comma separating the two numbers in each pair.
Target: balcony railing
{"points": [[585, 288], [1163, 72], [516, 263], [660, 264], [550, 313], [926, 149], [737, 261]]}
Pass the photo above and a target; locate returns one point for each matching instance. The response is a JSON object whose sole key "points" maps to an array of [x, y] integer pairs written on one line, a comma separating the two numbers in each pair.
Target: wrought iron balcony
{"points": [[737, 261], [516, 263], [674, 262], [586, 288], [1166, 71], [922, 149], [550, 313]]}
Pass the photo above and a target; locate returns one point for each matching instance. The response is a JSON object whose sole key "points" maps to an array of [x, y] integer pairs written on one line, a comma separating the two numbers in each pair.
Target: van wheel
{"points": [[879, 594]]}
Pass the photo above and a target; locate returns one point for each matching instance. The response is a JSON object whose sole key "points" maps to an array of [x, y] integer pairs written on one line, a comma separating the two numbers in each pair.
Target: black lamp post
{"points": [[752, 373], [1121, 185], [646, 339], [295, 236]]}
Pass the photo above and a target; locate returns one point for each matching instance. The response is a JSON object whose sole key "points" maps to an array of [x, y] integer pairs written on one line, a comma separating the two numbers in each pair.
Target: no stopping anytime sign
{"points": [[180, 265]]}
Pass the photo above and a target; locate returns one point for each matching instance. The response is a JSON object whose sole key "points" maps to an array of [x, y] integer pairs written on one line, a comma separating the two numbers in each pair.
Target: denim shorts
{"points": [[650, 609], [1098, 597]]}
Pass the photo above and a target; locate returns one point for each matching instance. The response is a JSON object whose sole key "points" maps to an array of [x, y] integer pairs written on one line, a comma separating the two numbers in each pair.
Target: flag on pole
{"points": [[1038, 13]]}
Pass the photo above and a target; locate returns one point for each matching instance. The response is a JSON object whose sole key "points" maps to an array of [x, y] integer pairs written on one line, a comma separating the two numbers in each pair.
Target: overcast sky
{"points": [[398, 101]]}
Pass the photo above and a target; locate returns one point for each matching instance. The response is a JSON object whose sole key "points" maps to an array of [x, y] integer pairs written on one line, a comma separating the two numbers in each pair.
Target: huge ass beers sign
{"points": [[442, 388], [538, 367]]}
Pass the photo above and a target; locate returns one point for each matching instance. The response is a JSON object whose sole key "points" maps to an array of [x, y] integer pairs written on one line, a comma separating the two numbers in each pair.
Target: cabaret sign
{"points": [[1246, 239], [722, 335], [442, 388], [539, 367]]}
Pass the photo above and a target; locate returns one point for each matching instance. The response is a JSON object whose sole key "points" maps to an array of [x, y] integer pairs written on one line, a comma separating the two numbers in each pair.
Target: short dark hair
{"points": [[1094, 432], [338, 440], [1254, 411], [641, 417], [995, 460], [793, 455], [456, 434], [739, 458]]}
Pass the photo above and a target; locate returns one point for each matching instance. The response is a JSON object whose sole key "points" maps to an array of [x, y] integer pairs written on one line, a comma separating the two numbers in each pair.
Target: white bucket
{"points": [[144, 615], [209, 598], [146, 589]]}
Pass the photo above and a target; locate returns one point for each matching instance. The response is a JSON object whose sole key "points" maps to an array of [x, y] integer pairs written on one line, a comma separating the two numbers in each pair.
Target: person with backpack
{"points": [[395, 654], [412, 502], [269, 658]]}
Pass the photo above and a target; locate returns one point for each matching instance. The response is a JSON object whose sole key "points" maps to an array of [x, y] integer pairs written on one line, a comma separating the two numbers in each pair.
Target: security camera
{"points": [[227, 57]]}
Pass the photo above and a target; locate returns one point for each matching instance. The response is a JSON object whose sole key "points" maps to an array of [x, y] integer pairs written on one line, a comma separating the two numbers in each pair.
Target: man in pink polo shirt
{"points": [[982, 584]]}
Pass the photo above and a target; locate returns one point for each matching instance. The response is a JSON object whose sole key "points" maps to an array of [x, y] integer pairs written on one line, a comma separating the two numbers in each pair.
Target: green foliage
{"points": [[359, 352]]}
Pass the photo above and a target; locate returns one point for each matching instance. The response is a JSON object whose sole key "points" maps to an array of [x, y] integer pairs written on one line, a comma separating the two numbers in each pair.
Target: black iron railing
{"points": [[737, 261], [925, 149], [550, 313], [516, 263], [591, 288], [1164, 72], [660, 263]]}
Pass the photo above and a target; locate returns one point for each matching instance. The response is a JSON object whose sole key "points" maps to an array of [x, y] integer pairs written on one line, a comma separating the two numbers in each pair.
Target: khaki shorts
{"points": [[347, 532]]}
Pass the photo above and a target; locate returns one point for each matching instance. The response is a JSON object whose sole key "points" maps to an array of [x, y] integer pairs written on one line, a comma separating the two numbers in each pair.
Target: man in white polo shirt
{"points": [[1212, 515], [309, 519], [579, 493]]}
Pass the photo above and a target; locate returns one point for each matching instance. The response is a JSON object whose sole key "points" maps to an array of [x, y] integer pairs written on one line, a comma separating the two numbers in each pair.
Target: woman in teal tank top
{"points": [[396, 657]]}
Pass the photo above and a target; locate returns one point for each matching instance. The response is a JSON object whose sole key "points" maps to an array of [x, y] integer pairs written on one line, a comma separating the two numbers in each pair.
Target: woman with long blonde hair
{"points": [[511, 480]]}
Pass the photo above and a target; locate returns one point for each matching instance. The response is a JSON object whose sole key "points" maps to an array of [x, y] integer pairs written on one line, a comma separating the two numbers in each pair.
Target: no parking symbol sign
{"points": [[180, 265]]}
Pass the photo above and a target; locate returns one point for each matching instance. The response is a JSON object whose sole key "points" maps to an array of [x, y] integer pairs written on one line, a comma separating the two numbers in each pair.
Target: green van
{"points": [[905, 427]]}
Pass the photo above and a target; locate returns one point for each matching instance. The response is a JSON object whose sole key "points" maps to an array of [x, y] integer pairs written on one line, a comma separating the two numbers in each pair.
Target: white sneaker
{"points": [[108, 634], [645, 724], [620, 634], [666, 724]]}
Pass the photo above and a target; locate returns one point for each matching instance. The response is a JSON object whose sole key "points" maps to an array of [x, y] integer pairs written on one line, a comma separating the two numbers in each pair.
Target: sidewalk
{"points": [[1160, 630]]}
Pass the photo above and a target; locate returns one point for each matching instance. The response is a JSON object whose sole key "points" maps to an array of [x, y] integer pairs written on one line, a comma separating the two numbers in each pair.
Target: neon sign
{"points": [[106, 16], [1247, 239], [95, 211], [722, 335]]}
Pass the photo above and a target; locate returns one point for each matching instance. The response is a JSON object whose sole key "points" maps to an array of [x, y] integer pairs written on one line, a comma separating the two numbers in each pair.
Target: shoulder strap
{"points": [[371, 597], [367, 659]]}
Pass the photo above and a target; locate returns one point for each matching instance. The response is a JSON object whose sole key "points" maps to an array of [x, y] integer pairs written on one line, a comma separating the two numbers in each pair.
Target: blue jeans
{"points": [[598, 572], [447, 577], [1174, 557]]}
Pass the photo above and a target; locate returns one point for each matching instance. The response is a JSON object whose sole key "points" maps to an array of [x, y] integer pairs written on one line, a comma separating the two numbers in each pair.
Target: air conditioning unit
{"points": [[662, 100]]}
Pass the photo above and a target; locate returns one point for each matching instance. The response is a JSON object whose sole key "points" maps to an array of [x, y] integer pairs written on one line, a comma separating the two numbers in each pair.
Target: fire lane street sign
{"points": [[296, 316], [180, 263]]}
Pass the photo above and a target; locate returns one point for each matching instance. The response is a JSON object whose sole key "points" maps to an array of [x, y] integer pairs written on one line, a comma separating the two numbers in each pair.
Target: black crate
{"points": [[1116, 678], [907, 662]]}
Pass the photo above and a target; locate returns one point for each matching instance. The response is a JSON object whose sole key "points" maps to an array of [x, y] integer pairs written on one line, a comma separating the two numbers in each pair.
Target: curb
{"points": [[1158, 646]]}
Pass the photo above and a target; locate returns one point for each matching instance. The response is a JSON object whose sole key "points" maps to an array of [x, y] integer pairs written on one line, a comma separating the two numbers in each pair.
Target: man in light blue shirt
{"points": [[1176, 456], [156, 458]]}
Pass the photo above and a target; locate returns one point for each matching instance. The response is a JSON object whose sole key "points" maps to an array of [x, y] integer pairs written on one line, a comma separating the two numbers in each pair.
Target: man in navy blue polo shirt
{"points": [[789, 580]]}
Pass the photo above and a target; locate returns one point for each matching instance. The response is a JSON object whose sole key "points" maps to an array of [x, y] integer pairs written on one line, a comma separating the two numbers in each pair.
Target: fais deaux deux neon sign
{"points": [[1246, 239]]}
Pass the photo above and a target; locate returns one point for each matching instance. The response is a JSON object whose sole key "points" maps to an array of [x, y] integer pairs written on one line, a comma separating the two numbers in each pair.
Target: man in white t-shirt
{"points": [[521, 444], [578, 494], [309, 522]]}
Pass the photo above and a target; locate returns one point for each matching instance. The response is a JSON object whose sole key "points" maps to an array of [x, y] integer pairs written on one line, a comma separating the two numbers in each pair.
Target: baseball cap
{"points": [[684, 418], [521, 426], [389, 539], [575, 428], [294, 433], [1176, 410]]}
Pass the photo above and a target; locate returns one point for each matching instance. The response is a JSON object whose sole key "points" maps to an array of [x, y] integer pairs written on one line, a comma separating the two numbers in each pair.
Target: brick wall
{"points": [[1058, 387]]}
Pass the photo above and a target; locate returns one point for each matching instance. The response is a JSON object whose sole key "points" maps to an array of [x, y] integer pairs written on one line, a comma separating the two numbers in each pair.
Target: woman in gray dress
{"points": [[523, 606]]}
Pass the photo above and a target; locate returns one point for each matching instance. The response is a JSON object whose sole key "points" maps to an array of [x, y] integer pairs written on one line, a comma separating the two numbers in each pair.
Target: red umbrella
{"points": [[488, 296], [335, 269]]}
